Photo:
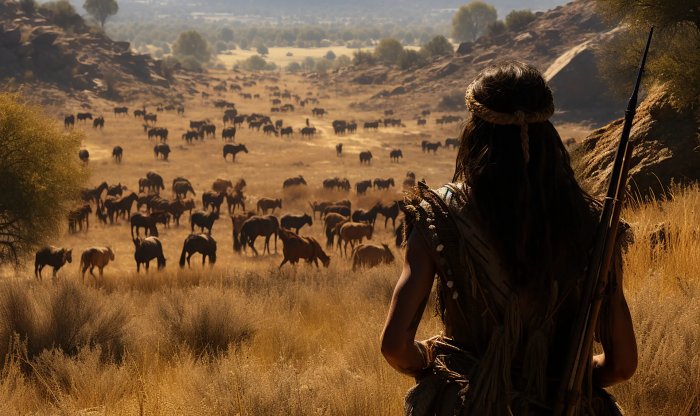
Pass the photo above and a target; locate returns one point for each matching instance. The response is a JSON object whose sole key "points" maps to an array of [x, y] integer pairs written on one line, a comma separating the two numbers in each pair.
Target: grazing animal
{"points": [[453, 143], [395, 155], [339, 149], [94, 194], [228, 133], [84, 155], [117, 154], [295, 222], [203, 220], [338, 209], [336, 183], [295, 181], [120, 206], [368, 216], [69, 121], [146, 221], [390, 212], [319, 207], [353, 233], [287, 131], [182, 187], [318, 112], [233, 150], [259, 226], [147, 249], [84, 116], [297, 248], [51, 256], [77, 217], [383, 183], [95, 257], [365, 157], [116, 190], [265, 204], [362, 186], [308, 131], [121, 110], [99, 122], [213, 199], [330, 223], [221, 185], [190, 135], [430, 147], [371, 255], [236, 224], [145, 184], [203, 244], [235, 199], [156, 180], [161, 150]]}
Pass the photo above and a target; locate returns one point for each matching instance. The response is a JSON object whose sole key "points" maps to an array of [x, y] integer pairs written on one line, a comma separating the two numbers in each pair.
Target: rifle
{"points": [[578, 355]]}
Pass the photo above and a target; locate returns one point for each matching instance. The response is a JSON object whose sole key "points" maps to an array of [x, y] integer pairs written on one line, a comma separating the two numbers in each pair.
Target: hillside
{"points": [[561, 42]]}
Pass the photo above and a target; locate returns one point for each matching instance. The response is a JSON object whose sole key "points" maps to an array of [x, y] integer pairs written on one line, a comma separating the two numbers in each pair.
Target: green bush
{"points": [[411, 59], [472, 20], [497, 28], [517, 20], [438, 46], [388, 51]]}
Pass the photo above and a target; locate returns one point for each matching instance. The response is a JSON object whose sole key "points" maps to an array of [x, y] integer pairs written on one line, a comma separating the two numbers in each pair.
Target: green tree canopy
{"points": [[438, 46], [330, 55], [191, 43], [497, 28], [226, 34], [62, 13], [262, 50], [388, 51], [410, 59], [101, 10], [40, 177], [472, 20], [518, 19], [674, 59]]}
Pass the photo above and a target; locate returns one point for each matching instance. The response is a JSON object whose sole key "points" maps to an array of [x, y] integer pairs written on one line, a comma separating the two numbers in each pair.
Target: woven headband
{"points": [[518, 118]]}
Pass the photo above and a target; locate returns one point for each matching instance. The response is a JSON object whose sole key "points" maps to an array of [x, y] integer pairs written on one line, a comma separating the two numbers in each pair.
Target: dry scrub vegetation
{"points": [[297, 341]]}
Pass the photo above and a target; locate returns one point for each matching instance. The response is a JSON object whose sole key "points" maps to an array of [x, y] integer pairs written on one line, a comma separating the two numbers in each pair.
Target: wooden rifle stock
{"points": [[598, 271]]}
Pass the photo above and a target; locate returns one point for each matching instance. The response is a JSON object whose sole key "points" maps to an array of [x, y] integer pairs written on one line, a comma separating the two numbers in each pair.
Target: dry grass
{"points": [[245, 338]]}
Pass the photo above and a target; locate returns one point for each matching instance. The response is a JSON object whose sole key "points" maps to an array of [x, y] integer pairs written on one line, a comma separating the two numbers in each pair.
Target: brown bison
{"points": [[353, 233], [51, 256], [269, 204], [297, 247], [95, 257], [198, 243], [371, 255], [147, 249]]}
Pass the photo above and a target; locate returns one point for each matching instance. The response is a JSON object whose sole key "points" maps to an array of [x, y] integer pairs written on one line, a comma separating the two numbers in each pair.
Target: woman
{"points": [[508, 241]]}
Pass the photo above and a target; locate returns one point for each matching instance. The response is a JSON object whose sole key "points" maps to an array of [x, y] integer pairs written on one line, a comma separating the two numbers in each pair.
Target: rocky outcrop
{"points": [[667, 149]]}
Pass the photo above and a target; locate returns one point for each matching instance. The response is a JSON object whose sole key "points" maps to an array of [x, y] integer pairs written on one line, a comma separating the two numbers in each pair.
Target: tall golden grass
{"points": [[257, 341]]}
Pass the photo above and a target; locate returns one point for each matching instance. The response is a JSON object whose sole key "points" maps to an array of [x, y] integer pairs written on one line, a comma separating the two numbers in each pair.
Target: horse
{"points": [[235, 199], [69, 121], [338, 209], [295, 181], [146, 221], [156, 181], [147, 249], [383, 183], [120, 206], [51, 256], [259, 226], [430, 147], [339, 150], [268, 204], [116, 190], [236, 224], [395, 155], [371, 255], [297, 247], [352, 233], [295, 222], [229, 134], [95, 257], [198, 243], [99, 122], [368, 216], [182, 187], [362, 186], [213, 199], [330, 223], [203, 220], [233, 150], [390, 212], [117, 154], [77, 217], [365, 157], [94, 194], [453, 142], [161, 150]]}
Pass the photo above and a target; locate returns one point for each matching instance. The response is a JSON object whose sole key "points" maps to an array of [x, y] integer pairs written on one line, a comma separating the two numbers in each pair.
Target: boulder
{"points": [[465, 48], [666, 150]]}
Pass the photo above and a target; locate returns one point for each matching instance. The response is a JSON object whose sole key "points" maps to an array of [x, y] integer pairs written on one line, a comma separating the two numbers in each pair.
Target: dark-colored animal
{"points": [[383, 183], [150, 117], [318, 112], [339, 149], [268, 204], [295, 181], [84, 155], [221, 185], [95, 257], [270, 129], [259, 226], [203, 220], [213, 199], [371, 125], [395, 155], [361, 187], [319, 207], [338, 209], [182, 187], [120, 206], [51, 256], [99, 122], [234, 199], [117, 154], [295, 222], [69, 121], [229, 133], [353, 233], [190, 135], [336, 183], [147, 249], [94, 194], [84, 116], [161, 150], [121, 110], [368, 216], [156, 180], [430, 147], [78, 217], [330, 223], [203, 244], [236, 224], [116, 190], [287, 131], [390, 211], [297, 248], [453, 143], [371, 255], [233, 150], [308, 131], [366, 157], [145, 221]]}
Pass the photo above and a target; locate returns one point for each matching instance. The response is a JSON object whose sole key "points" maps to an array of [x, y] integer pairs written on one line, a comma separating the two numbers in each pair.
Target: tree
{"points": [[191, 43], [472, 20], [517, 20], [438, 46], [497, 28], [226, 34], [262, 50], [411, 59], [101, 10], [674, 59], [388, 51], [360, 58], [62, 13], [330, 55], [40, 177]]}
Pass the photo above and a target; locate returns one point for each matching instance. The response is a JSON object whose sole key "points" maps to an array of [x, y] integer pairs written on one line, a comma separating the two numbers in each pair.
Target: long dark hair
{"points": [[538, 217]]}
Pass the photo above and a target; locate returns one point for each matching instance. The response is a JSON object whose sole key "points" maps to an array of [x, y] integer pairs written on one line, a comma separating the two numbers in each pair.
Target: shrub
{"points": [[192, 44], [472, 20], [388, 51], [62, 13], [497, 28], [517, 20], [411, 59], [438, 46]]}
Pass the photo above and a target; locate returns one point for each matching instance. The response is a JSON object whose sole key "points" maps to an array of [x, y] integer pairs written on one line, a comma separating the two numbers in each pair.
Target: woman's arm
{"points": [[407, 305], [619, 359]]}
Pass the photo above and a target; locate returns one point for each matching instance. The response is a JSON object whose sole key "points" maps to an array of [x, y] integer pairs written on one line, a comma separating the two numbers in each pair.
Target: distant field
{"points": [[279, 55]]}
